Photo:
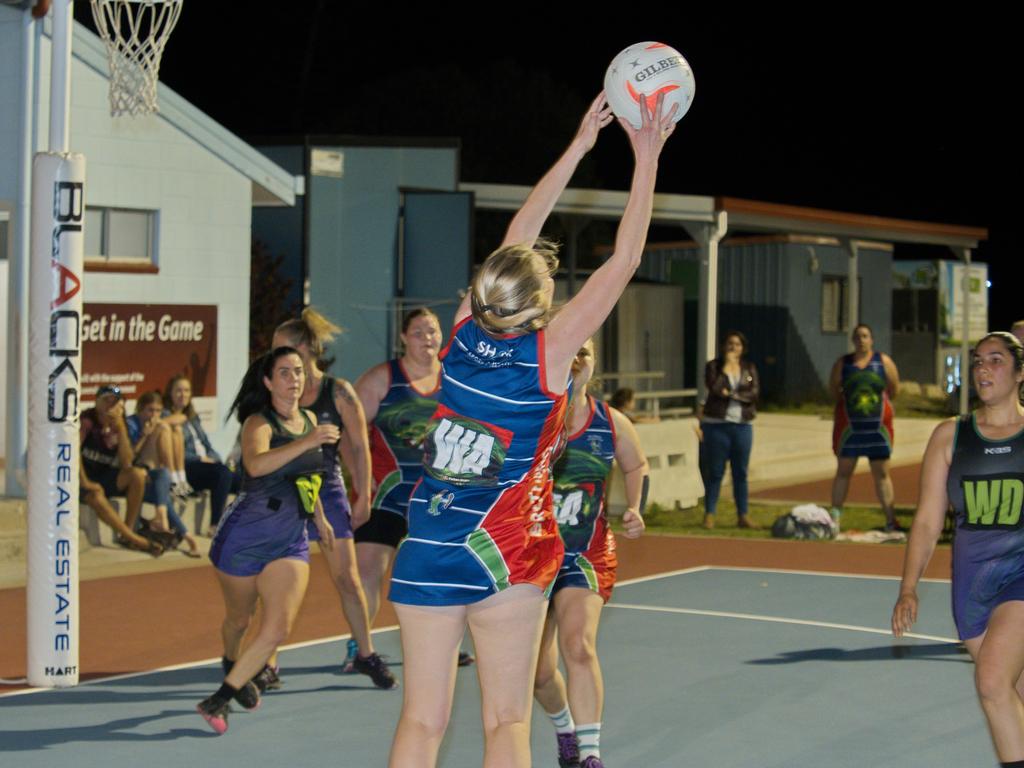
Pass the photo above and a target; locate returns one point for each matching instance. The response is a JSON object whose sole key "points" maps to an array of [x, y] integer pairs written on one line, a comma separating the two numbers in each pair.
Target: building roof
{"points": [[743, 215], [772, 217], [271, 184]]}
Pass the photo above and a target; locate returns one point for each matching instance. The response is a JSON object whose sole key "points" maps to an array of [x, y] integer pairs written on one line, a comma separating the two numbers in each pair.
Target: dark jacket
{"points": [[746, 392]]}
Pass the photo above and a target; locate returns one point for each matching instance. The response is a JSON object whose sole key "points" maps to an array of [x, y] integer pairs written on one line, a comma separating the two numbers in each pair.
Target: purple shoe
{"points": [[568, 750], [592, 762]]}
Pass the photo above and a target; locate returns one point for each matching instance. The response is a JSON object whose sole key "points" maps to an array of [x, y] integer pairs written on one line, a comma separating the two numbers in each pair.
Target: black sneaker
{"points": [[248, 696], [568, 750], [374, 666], [215, 712], [465, 659], [268, 679]]}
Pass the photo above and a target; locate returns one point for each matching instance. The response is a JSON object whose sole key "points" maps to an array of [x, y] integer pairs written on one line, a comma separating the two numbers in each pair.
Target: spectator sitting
{"points": [[624, 400], [151, 447], [107, 470], [204, 469], [1017, 329]]}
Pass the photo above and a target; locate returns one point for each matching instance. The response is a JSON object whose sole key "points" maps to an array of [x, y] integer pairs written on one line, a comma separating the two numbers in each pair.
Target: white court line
{"points": [[681, 572], [188, 665], [837, 575], [777, 620], [787, 571], [623, 583]]}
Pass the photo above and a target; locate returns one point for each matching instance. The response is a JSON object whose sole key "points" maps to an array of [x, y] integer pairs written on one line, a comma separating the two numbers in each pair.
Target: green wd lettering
{"points": [[994, 502], [1010, 506]]}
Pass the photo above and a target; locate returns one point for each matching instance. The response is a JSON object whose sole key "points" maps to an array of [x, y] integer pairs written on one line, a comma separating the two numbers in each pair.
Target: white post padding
{"points": [[55, 357]]}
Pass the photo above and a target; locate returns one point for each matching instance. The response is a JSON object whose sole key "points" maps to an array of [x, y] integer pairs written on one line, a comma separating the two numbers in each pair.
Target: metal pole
{"points": [[965, 333], [573, 227], [60, 76], [853, 289], [708, 236], [54, 366], [16, 417]]}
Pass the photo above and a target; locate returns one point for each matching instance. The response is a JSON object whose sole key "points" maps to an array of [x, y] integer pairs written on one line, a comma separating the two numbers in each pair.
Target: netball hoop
{"points": [[135, 33]]}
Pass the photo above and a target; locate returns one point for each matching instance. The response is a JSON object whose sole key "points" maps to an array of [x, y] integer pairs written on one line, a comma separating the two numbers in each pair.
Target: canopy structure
{"points": [[707, 220]]}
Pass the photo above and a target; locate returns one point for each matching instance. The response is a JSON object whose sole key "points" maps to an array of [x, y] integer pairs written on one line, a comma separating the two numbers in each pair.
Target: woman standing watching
{"points": [[261, 549], [976, 465], [725, 430], [864, 383], [483, 545], [334, 401], [598, 434]]}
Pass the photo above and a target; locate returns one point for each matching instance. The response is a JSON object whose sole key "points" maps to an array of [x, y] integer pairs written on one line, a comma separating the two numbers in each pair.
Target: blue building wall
{"points": [[349, 228], [279, 229], [353, 229]]}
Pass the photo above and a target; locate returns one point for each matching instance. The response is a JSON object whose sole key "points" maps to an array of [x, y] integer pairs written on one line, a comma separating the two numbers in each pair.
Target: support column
{"points": [[853, 289], [708, 236], [15, 409], [574, 225], [965, 333]]}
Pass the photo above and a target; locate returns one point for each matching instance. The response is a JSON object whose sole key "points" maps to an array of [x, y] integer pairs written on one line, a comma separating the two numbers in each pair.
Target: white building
{"points": [[169, 204]]}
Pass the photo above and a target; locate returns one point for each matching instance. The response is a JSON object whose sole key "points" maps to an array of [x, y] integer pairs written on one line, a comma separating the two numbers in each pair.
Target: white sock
{"points": [[562, 721], [179, 477], [589, 738]]}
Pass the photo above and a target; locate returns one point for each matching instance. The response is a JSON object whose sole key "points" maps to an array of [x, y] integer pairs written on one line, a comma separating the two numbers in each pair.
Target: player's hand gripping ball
{"points": [[644, 70]]}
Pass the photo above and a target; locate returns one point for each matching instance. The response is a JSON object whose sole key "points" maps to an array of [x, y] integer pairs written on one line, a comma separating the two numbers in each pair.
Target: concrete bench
{"points": [[672, 451], [194, 512]]}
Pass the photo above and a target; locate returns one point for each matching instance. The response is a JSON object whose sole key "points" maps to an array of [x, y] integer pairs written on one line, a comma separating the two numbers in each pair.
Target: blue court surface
{"points": [[707, 667]]}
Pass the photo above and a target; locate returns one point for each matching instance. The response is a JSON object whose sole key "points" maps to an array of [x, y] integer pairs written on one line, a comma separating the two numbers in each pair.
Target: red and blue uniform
{"points": [[581, 483], [481, 517], [396, 447], [396, 440], [863, 418]]}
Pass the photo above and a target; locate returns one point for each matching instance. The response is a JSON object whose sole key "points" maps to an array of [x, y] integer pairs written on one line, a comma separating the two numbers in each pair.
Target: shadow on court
{"points": [[116, 730], [721, 649], [925, 652]]}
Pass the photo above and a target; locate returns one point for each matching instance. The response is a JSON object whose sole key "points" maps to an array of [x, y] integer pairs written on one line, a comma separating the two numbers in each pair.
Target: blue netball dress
{"points": [[985, 487], [863, 423], [581, 481], [333, 494], [481, 518], [396, 440], [266, 520]]}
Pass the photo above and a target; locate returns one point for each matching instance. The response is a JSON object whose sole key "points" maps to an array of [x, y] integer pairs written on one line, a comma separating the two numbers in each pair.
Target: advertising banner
{"points": [[140, 347]]}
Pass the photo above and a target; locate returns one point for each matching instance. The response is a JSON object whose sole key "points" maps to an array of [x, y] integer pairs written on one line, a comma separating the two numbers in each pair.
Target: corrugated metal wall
{"points": [[771, 291]]}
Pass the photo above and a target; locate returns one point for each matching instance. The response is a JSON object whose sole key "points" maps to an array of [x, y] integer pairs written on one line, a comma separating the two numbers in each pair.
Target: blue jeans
{"points": [[724, 442], [158, 491], [214, 477]]}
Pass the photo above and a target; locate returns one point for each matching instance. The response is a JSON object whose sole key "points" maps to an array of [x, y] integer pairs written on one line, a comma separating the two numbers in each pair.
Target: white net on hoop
{"points": [[135, 33]]}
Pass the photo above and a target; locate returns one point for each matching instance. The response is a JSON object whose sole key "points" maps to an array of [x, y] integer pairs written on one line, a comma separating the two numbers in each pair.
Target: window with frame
{"points": [[834, 315], [5, 231], [120, 239]]}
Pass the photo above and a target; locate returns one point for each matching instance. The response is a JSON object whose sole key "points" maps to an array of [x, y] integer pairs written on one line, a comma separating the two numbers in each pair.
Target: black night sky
{"points": [[842, 107]]}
